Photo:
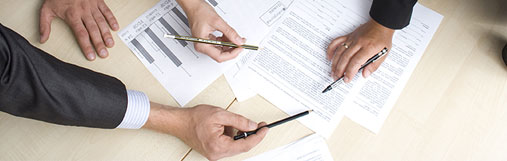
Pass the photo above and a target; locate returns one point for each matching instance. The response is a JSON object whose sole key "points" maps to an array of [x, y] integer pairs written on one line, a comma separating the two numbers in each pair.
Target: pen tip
{"points": [[328, 88], [169, 36]]}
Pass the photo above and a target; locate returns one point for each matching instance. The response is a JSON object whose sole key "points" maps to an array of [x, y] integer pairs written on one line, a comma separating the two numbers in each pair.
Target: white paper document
{"points": [[181, 70], [291, 70], [309, 148], [268, 13]]}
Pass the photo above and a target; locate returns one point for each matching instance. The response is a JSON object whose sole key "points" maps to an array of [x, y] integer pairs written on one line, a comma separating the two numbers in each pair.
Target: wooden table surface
{"points": [[454, 107]]}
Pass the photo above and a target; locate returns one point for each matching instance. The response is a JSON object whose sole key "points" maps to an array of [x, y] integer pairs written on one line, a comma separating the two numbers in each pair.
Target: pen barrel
{"points": [[287, 119], [248, 133], [214, 42]]}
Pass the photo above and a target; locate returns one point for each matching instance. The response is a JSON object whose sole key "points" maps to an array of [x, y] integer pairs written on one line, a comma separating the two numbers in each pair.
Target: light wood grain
{"points": [[24, 139], [454, 106]]}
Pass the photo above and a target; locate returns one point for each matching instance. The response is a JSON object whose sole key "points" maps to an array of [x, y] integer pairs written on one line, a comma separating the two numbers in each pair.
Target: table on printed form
{"points": [[452, 108]]}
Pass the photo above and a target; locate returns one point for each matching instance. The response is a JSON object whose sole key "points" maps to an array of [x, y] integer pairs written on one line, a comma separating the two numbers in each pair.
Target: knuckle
{"points": [[100, 20], [98, 44], [82, 33], [355, 62], [106, 34], [72, 14]]}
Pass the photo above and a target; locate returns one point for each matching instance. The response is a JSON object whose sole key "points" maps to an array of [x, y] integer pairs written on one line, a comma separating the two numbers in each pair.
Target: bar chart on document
{"points": [[182, 71]]}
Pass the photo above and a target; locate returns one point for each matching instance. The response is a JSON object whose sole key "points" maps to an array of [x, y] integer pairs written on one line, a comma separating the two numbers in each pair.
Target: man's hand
{"points": [[207, 129], [203, 22], [89, 19], [349, 52]]}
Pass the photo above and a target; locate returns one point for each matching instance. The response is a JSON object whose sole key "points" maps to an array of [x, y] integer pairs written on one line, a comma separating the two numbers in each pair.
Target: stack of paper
{"points": [[290, 70]]}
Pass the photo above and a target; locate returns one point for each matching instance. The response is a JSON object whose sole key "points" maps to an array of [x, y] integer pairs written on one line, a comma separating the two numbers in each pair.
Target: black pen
{"points": [[248, 133], [371, 60]]}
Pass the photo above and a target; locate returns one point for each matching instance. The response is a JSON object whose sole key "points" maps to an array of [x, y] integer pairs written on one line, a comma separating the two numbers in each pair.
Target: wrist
{"points": [[165, 119], [381, 27], [190, 5]]}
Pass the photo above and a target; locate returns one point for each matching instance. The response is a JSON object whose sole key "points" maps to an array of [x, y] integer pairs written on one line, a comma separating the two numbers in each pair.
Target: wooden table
{"points": [[454, 106]]}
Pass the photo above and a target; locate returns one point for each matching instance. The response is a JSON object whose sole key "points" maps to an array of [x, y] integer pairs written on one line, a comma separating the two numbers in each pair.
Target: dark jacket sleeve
{"points": [[394, 14], [36, 85]]}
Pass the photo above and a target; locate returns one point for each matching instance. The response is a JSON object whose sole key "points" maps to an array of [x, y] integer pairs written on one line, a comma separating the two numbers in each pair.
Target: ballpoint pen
{"points": [[371, 60], [207, 41], [248, 133]]}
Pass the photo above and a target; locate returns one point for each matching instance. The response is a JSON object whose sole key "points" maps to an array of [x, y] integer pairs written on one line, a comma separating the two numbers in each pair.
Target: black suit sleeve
{"points": [[34, 84], [394, 14]]}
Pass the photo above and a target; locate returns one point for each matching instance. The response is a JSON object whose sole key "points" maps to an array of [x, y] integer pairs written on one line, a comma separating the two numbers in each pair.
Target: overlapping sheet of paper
{"points": [[181, 70], [291, 70], [309, 148]]}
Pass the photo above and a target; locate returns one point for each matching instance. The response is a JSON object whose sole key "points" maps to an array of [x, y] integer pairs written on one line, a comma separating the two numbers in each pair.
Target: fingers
{"points": [[95, 35], [46, 16], [217, 54], [229, 32], [373, 66], [104, 28], [356, 61], [82, 37], [111, 19], [342, 60], [237, 121], [244, 145], [333, 46]]}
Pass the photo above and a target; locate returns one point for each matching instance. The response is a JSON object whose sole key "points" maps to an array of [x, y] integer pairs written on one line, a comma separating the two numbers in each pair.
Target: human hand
{"points": [[349, 52], [89, 20], [203, 22], [207, 129]]}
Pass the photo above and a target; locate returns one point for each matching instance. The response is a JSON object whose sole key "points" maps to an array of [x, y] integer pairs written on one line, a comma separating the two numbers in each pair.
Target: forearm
{"points": [[166, 119], [189, 5]]}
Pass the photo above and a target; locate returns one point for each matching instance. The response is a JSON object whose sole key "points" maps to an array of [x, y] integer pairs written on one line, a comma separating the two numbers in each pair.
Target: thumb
{"points": [[237, 121], [229, 32], [46, 16]]}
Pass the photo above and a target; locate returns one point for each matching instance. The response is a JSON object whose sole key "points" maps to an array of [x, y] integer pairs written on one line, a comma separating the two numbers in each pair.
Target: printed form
{"points": [[309, 148], [181, 70], [291, 70]]}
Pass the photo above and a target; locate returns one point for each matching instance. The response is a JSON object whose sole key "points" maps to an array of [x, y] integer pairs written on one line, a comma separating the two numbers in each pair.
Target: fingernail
{"points": [[243, 40], [346, 79], [115, 26], [252, 125], [91, 56], [335, 77], [367, 73], [109, 42], [103, 53]]}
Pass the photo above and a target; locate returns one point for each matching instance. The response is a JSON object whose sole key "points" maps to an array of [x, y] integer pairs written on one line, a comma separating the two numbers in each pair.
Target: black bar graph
{"points": [[164, 48], [171, 30], [143, 51], [213, 3], [181, 16]]}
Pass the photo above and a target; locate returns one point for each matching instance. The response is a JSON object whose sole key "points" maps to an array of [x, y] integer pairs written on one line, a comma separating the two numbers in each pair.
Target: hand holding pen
{"points": [[243, 135], [347, 53], [368, 62]]}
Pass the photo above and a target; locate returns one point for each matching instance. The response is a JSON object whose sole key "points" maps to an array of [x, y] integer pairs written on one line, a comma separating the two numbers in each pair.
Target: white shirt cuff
{"points": [[138, 110]]}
